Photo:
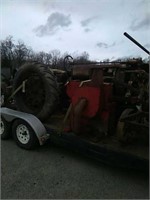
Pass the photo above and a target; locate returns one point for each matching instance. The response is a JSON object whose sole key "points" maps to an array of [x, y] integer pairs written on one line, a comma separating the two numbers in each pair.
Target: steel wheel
{"points": [[121, 132], [22, 133]]}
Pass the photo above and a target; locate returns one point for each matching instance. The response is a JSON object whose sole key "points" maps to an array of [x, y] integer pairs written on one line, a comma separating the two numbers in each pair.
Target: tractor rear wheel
{"points": [[41, 95]]}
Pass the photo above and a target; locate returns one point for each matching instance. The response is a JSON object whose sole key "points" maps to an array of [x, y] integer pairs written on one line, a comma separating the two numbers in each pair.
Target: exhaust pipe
{"points": [[137, 43]]}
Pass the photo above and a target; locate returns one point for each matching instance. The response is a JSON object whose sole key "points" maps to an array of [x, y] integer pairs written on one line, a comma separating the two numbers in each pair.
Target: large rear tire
{"points": [[41, 96]]}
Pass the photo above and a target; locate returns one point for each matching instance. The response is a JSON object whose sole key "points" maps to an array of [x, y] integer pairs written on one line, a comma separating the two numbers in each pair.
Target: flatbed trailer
{"points": [[102, 152], [107, 150]]}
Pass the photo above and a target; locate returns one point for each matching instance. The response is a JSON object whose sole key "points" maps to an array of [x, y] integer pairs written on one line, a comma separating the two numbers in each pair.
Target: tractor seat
{"points": [[81, 73]]}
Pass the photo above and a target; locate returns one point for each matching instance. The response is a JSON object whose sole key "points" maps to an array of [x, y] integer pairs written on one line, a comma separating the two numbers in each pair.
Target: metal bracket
{"points": [[19, 88]]}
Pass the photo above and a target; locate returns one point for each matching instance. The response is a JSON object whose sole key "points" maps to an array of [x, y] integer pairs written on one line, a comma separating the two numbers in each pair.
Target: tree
{"points": [[21, 53], [40, 57], [7, 52], [15, 54], [55, 57], [83, 58], [48, 58]]}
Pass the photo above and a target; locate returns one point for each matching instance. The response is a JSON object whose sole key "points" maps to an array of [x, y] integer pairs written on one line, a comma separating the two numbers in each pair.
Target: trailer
{"points": [[28, 132]]}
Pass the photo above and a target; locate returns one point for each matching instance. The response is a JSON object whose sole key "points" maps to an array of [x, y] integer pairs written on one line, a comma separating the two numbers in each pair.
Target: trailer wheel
{"points": [[24, 135], [4, 129], [41, 95]]}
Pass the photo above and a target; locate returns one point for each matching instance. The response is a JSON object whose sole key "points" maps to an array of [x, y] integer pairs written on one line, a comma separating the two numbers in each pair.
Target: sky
{"points": [[75, 26]]}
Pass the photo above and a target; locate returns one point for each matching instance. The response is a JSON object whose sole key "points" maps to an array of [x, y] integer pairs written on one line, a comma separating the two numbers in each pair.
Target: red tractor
{"points": [[104, 105]]}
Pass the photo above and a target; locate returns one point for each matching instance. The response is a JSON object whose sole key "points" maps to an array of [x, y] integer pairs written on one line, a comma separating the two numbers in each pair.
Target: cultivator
{"points": [[134, 127]]}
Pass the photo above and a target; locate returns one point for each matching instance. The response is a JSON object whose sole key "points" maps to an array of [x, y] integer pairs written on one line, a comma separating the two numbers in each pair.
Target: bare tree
{"points": [[40, 57], [48, 58], [55, 57], [20, 53], [83, 58], [7, 52]]}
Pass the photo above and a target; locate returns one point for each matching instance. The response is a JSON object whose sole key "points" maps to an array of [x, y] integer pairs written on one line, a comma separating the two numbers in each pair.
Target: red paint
{"points": [[107, 96], [71, 87], [99, 100], [92, 95]]}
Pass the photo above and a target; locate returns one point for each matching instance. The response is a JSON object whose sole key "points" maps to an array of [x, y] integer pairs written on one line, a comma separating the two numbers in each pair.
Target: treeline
{"points": [[13, 55]]}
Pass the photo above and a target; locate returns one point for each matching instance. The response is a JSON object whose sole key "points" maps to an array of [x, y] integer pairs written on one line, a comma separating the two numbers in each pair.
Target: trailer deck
{"points": [[108, 149]]}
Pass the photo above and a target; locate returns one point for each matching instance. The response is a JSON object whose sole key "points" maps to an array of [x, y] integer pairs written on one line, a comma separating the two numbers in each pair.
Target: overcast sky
{"points": [[95, 26]]}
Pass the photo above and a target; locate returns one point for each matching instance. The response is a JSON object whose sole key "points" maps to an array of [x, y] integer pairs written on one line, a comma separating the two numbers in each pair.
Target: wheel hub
{"points": [[23, 134]]}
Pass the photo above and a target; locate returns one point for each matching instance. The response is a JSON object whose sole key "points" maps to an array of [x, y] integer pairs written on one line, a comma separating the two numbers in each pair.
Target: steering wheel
{"points": [[67, 62]]}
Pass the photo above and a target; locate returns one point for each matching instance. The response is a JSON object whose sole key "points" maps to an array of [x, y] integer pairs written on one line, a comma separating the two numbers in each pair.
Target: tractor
{"points": [[105, 104]]}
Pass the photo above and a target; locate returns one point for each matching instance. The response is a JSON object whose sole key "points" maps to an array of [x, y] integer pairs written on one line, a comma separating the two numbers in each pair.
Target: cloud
{"points": [[54, 22], [87, 21], [101, 45], [140, 24], [147, 45], [104, 45], [87, 30]]}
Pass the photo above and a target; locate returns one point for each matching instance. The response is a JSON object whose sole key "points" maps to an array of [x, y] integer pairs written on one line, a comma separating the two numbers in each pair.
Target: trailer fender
{"points": [[11, 115]]}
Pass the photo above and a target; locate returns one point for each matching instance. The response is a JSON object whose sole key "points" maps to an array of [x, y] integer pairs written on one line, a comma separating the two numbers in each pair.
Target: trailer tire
{"points": [[4, 129], [41, 96], [24, 135]]}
